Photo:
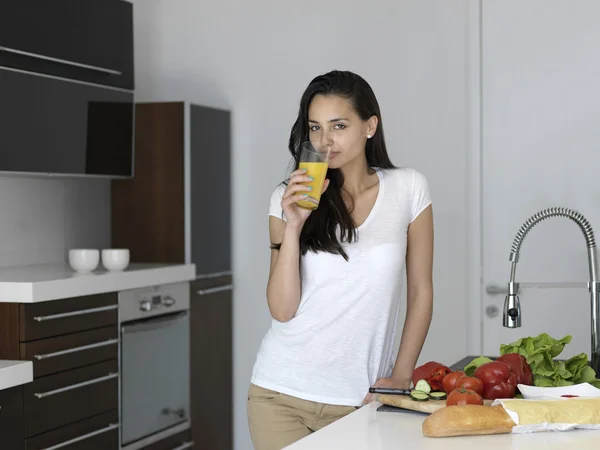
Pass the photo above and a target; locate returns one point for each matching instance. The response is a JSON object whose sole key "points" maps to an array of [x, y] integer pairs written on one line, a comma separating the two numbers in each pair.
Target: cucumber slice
{"points": [[438, 396], [423, 386], [419, 396]]}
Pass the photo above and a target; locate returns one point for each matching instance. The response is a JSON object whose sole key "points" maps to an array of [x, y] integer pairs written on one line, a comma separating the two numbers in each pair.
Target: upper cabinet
{"points": [[85, 40]]}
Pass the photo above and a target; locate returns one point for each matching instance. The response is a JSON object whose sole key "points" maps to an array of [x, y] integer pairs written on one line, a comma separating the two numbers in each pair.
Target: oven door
{"points": [[155, 392]]}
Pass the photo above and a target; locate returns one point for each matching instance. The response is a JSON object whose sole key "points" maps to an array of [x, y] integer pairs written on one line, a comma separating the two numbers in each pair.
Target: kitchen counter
{"points": [[39, 283], [369, 429], [15, 373]]}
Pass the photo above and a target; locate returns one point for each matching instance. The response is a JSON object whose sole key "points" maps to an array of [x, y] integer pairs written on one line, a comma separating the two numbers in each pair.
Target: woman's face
{"points": [[332, 120]]}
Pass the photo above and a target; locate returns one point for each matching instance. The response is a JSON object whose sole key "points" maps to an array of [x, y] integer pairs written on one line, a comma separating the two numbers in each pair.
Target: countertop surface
{"points": [[15, 373], [39, 283], [369, 429]]}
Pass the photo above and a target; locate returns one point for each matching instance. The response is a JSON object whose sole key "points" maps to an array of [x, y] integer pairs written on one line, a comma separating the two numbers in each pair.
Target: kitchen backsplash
{"points": [[41, 218]]}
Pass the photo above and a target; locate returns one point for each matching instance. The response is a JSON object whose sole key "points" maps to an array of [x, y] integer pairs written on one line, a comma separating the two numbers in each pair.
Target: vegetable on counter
{"points": [[449, 381], [462, 396], [498, 380], [432, 372], [519, 366], [472, 383], [480, 360]]}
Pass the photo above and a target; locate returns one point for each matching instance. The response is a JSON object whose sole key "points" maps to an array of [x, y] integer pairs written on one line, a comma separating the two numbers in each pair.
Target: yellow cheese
{"points": [[573, 410]]}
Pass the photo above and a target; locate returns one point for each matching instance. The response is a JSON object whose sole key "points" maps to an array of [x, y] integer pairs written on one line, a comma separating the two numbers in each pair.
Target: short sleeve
{"points": [[275, 205], [421, 196]]}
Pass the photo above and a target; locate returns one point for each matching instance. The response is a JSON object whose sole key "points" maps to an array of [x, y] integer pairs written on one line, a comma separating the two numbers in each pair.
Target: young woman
{"points": [[337, 272]]}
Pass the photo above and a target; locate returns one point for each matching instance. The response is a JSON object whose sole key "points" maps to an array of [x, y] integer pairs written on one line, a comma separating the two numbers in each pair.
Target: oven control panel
{"points": [[147, 302]]}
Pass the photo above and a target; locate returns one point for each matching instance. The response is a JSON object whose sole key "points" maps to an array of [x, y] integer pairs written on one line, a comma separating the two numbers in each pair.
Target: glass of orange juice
{"points": [[314, 157]]}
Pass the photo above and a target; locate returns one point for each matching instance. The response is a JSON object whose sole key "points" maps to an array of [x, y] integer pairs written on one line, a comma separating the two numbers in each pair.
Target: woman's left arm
{"points": [[419, 295], [419, 301]]}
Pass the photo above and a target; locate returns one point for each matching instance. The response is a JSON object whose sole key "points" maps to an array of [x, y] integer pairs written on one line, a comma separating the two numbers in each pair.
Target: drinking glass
{"points": [[314, 157]]}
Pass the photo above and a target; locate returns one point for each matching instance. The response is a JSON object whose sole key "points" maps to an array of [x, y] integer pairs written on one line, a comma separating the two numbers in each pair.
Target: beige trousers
{"points": [[277, 420]]}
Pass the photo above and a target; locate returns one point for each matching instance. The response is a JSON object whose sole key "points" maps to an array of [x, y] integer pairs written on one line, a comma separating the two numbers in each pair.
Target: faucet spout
{"points": [[512, 307]]}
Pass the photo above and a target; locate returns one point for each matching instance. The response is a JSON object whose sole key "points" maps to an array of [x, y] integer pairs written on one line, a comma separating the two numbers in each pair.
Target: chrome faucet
{"points": [[512, 306]]}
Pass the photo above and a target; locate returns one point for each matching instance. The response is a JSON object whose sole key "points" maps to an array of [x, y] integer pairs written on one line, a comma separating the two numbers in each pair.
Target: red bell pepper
{"points": [[498, 380], [518, 365], [432, 372]]}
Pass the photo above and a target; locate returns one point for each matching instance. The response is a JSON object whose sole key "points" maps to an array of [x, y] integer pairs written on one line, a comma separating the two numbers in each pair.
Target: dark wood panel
{"points": [[53, 411], [211, 365], [32, 329], [11, 418], [105, 441], [60, 363], [9, 331], [148, 210], [172, 442]]}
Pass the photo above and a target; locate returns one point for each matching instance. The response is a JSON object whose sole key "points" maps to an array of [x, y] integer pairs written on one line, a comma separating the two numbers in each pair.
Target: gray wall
{"points": [[41, 218]]}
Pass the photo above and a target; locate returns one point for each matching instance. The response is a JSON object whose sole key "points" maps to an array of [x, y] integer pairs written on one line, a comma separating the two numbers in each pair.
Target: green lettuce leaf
{"points": [[473, 365]]}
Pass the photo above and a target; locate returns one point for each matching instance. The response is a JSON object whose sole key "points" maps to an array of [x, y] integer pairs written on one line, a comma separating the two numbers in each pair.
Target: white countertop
{"points": [[38, 283], [369, 429], [15, 373]]}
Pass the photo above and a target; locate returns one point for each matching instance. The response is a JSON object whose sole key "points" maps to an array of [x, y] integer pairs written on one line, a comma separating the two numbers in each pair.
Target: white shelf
{"points": [[15, 373], [40, 283]]}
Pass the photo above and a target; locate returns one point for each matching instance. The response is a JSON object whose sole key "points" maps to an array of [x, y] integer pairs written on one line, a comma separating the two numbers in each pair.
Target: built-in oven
{"points": [[155, 352]]}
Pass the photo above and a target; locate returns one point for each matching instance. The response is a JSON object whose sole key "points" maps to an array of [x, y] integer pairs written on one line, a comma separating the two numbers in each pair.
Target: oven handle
{"points": [[185, 445], [154, 324], [85, 436]]}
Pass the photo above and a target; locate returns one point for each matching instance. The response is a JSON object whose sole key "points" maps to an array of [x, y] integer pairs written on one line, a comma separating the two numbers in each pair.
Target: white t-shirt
{"points": [[341, 339]]}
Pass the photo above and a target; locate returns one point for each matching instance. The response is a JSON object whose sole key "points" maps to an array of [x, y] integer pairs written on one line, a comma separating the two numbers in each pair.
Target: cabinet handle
{"points": [[112, 426], [76, 349], [185, 445], [110, 376], [227, 287], [206, 276], [65, 62], [75, 313]]}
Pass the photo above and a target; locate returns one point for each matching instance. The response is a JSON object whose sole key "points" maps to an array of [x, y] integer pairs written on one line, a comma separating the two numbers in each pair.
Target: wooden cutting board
{"points": [[405, 402]]}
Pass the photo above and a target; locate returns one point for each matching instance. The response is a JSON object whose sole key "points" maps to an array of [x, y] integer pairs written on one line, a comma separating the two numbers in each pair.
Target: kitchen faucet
{"points": [[512, 306]]}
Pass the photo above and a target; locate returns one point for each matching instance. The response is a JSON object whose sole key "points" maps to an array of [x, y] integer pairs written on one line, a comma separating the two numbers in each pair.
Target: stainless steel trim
{"points": [[75, 313], [144, 442], [112, 426], [205, 276], [76, 349], [72, 80], [60, 61], [493, 289], [187, 183], [110, 376], [154, 323], [185, 445], [226, 287]]}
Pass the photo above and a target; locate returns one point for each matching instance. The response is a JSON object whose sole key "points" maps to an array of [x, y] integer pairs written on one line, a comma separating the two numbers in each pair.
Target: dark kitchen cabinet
{"points": [[89, 40], [11, 418]]}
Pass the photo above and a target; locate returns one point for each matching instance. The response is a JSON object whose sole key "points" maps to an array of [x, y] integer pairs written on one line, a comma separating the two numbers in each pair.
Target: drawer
{"points": [[58, 400], [58, 317], [97, 433], [70, 351], [11, 418], [179, 441]]}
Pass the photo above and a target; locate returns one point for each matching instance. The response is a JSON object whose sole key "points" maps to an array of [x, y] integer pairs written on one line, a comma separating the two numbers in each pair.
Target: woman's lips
{"points": [[333, 155]]}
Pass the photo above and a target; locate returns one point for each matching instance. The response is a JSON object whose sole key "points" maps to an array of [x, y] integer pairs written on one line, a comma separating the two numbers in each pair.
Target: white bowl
{"points": [[115, 259], [84, 260]]}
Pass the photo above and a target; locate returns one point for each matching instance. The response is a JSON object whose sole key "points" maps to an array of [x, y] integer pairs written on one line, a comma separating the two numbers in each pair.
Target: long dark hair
{"points": [[320, 230]]}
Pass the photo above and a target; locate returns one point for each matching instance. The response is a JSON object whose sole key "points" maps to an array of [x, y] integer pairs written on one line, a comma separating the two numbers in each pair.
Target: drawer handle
{"points": [[75, 313], [227, 287], [60, 61], [184, 446], [76, 349], [110, 376], [112, 426]]}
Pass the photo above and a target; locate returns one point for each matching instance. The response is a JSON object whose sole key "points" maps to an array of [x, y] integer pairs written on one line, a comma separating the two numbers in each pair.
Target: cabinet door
{"points": [[49, 125], [211, 363], [90, 40], [11, 418], [210, 186]]}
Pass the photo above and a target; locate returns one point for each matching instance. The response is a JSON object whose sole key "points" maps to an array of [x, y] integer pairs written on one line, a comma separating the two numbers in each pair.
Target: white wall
{"points": [[256, 58], [41, 218]]}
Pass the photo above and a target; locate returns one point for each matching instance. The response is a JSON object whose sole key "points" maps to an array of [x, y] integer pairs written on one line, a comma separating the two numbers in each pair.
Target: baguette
{"points": [[467, 420]]}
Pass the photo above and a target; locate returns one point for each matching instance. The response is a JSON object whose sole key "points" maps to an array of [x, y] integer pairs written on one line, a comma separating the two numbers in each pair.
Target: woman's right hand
{"points": [[295, 191]]}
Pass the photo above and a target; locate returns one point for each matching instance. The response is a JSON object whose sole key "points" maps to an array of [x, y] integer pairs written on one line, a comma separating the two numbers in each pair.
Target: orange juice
{"points": [[316, 170]]}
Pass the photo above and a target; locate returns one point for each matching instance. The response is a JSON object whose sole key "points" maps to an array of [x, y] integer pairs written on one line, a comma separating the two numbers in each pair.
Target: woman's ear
{"points": [[372, 126]]}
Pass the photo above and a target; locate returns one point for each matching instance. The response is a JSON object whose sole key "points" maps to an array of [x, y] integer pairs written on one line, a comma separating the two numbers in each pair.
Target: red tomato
{"points": [[449, 381], [462, 396], [475, 384]]}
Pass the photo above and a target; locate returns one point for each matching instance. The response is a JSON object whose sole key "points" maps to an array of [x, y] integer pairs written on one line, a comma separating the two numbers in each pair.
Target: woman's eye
{"points": [[314, 128], [339, 126]]}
